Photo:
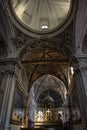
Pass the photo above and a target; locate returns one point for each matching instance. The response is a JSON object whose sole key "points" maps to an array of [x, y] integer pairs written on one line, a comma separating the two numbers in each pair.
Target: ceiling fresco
{"points": [[45, 59]]}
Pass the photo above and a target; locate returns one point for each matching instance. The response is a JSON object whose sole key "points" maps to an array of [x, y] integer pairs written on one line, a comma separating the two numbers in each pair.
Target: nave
{"points": [[43, 64]]}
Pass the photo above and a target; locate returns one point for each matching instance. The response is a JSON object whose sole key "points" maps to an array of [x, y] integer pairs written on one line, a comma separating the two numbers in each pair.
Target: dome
{"points": [[41, 15], [48, 99]]}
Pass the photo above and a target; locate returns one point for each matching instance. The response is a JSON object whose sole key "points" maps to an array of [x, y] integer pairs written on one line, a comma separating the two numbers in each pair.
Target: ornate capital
{"points": [[9, 66]]}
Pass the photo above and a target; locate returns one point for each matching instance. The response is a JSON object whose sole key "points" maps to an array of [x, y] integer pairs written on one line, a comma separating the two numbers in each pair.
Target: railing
{"points": [[52, 126]]}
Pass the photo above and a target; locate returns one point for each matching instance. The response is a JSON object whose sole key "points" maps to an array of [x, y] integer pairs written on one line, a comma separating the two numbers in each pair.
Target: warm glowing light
{"points": [[72, 70], [60, 112], [48, 111], [44, 27], [39, 116], [22, 126], [69, 80]]}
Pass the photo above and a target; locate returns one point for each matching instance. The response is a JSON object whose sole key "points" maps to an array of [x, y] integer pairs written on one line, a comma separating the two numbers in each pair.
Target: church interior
{"points": [[43, 64]]}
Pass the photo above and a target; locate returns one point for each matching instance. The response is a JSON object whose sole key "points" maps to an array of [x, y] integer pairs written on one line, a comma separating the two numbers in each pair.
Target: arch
{"points": [[41, 44], [54, 43], [48, 82]]}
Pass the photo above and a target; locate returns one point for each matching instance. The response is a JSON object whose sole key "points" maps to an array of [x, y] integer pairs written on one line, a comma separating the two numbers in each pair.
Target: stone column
{"points": [[10, 100], [81, 81], [8, 86]]}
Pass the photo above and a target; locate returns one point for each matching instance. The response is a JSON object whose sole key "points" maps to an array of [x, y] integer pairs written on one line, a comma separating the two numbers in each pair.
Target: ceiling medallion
{"points": [[40, 17]]}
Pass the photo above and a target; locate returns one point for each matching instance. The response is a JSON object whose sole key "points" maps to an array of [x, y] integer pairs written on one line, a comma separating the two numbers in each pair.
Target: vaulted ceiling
{"points": [[46, 55], [44, 52], [57, 100], [48, 86]]}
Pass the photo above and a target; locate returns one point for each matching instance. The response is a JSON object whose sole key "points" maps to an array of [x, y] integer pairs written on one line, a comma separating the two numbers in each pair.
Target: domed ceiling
{"points": [[41, 15]]}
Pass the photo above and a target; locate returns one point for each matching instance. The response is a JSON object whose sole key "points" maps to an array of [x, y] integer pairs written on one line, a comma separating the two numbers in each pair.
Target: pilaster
{"points": [[80, 71], [8, 68], [83, 69]]}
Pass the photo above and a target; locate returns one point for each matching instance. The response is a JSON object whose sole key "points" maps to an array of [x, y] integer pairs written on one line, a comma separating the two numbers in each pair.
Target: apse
{"points": [[48, 98]]}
